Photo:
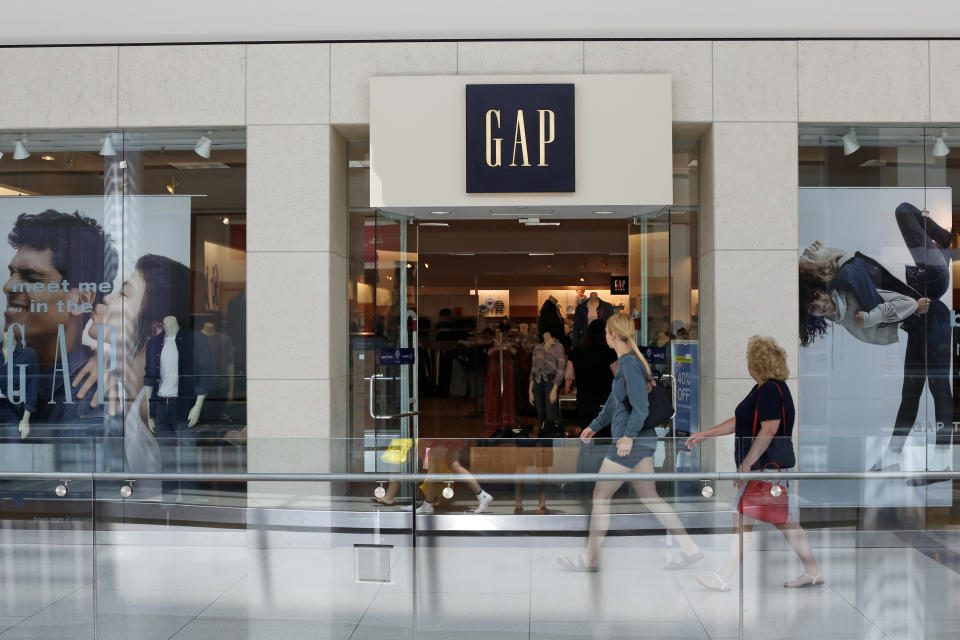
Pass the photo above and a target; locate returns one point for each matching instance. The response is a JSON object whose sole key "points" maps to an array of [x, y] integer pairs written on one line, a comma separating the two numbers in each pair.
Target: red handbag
{"points": [[757, 501]]}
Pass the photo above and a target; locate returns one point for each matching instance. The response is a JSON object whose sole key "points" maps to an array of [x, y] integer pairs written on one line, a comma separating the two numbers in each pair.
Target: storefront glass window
{"points": [[877, 206], [114, 242]]}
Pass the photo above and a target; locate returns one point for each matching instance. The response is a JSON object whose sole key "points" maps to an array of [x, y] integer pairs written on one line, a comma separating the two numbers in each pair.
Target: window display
{"points": [[114, 240], [876, 292]]}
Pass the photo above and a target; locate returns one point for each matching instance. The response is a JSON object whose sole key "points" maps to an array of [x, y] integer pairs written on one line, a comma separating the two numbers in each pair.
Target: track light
{"points": [[19, 150], [850, 142], [172, 186], [203, 145], [107, 148], [940, 148]]}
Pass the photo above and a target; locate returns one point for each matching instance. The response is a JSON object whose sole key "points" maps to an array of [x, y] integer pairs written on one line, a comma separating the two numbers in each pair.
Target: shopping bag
{"points": [[397, 451]]}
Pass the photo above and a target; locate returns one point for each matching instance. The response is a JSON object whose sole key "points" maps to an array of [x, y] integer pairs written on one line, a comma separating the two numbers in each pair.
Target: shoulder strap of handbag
{"points": [[783, 411]]}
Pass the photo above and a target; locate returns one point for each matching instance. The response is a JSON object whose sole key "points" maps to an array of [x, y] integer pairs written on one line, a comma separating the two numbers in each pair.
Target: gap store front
{"points": [[327, 352]]}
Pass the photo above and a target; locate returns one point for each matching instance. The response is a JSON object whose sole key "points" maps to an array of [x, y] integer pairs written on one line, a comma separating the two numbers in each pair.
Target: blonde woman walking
{"points": [[625, 412]]}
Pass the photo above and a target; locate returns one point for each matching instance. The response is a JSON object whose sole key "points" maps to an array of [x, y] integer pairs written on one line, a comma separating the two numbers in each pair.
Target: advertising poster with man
{"points": [[89, 281]]}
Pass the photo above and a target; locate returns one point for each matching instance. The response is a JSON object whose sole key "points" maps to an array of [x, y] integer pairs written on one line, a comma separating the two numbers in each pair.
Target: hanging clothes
{"points": [[524, 360], [500, 409]]}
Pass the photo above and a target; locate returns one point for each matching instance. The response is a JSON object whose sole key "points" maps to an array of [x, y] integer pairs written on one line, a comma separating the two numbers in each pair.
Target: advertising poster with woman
{"points": [[876, 328], [89, 283]]}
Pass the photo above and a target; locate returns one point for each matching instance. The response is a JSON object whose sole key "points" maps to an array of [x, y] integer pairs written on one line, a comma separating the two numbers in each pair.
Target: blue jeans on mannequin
{"points": [[178, 447]]}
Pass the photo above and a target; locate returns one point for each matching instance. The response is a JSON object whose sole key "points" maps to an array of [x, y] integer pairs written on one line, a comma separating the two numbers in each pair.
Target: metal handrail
{"points": [[720, 476]]}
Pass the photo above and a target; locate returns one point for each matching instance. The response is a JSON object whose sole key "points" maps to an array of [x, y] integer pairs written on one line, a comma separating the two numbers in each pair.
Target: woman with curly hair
{"points": [[770, 404]]}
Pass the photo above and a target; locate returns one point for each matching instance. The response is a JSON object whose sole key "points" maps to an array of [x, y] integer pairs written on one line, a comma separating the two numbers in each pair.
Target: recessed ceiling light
{"points": [[441, 212], [541, 254], [47, 157], [463, 254], [603, 212], [434, 224], [359, 164], [582, 280], [225, 220]]}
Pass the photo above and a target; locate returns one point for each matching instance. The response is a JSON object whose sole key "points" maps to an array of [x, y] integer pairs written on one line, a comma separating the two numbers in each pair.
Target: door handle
{"points": [[373, 381]]}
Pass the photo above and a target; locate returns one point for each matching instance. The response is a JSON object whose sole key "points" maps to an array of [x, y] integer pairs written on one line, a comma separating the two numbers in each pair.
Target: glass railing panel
{"points": [[47, 553], [516, 570], [866, 554], [252, 554]]}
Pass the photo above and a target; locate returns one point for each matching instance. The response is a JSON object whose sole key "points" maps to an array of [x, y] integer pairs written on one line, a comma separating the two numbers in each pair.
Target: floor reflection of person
{"points": [[769, 405], [448, 451], [626, 411], [862, 296]]}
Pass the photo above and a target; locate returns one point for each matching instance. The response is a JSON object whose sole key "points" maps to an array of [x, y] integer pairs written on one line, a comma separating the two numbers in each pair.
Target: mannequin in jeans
{"points": [[548, 367], [163, 371]]}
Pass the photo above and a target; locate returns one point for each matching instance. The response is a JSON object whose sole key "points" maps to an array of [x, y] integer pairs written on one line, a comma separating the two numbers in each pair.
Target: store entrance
{"points": [[445, 311]]}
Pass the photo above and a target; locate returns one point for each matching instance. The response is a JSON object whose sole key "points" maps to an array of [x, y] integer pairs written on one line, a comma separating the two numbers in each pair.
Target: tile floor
{"points": [[464, 588]]}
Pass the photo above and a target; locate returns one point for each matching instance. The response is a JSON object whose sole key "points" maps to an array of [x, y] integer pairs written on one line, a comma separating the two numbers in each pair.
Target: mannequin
{"points": [[176, 369], [222, 372], [546, 374], [23, 358], [171, 328], [594, 308]]}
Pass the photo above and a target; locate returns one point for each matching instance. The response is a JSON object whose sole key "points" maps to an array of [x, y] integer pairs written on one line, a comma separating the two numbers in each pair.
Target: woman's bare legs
{"points": [[795, 536], [800, 543], [453, 461], [437, 453], [732, 561], [600, 516], [647, 492]]}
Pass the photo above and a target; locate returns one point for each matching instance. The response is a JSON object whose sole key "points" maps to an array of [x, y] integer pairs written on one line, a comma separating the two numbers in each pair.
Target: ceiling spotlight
{"points": [[19, 150], [172, 186], [582, 280], [225, 220], [203, 145], [107, 148], [850, 142], [47, 157], [940, 148]]}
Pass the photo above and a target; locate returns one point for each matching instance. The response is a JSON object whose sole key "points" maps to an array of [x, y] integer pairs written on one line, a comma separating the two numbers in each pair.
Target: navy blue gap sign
{"points": [[520, 138]]}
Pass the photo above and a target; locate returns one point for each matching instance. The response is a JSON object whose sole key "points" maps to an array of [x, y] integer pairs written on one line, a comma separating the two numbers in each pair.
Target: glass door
{"points": [[664, 304], [383, 349]]}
